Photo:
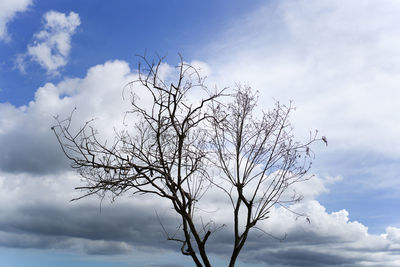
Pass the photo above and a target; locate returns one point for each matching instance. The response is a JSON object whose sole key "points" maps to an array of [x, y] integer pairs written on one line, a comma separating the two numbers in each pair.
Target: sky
{"points": [[339, 61]]}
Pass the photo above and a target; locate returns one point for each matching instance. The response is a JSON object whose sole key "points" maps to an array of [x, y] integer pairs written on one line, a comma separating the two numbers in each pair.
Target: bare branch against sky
{"points": [[180, 147], [336, 61]]}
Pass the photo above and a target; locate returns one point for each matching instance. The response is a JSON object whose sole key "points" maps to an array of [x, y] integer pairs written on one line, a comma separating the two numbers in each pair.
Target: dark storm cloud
{"points": [[119, 228], [26, 240], [35, 152], [38, 241], [120, 224], [46, 226]]}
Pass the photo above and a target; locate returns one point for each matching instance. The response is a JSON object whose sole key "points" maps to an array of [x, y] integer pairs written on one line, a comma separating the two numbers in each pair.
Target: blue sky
{"points": [[338, 60], [119, 30]]}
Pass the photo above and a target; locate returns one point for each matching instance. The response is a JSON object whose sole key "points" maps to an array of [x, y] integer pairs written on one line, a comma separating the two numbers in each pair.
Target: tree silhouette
{"points": [[183, 145]]}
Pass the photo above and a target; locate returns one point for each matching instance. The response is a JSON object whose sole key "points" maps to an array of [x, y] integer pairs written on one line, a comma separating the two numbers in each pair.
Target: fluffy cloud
{"points": [[329, 240], [8, 10], [25, 131], [393, 234], [51, 46]]}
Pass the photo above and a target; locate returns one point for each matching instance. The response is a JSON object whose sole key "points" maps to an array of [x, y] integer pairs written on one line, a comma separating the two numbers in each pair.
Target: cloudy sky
{"points": [[339, 61]]}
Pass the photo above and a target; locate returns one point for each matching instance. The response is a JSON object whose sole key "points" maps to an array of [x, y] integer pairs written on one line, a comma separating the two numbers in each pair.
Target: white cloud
{"points": [[338, 60], [314, 186], [393, 234], [202, 67], [25, 131], [8, 10], [51, 46]]}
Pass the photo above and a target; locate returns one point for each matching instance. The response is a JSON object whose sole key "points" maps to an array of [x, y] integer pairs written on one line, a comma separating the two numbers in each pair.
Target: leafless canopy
{"points": [[178, 139], [259, 159]]}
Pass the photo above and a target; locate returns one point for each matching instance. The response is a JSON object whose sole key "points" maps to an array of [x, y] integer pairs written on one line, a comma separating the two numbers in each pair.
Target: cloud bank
{"points": [[130, 225]]}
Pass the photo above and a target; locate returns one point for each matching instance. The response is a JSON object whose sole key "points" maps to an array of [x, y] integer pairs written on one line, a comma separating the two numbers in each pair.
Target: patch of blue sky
{"points": [[113, 30]]}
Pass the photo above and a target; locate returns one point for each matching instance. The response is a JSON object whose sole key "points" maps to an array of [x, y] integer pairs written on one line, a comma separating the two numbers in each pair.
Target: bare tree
{"points": [[179, 140], [259, 159]]}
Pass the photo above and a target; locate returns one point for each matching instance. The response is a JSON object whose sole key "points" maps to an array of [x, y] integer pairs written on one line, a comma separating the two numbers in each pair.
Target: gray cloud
{"points": [[303, 257], [28, 151], [52, 223], [35, 240], [131, 224]]}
